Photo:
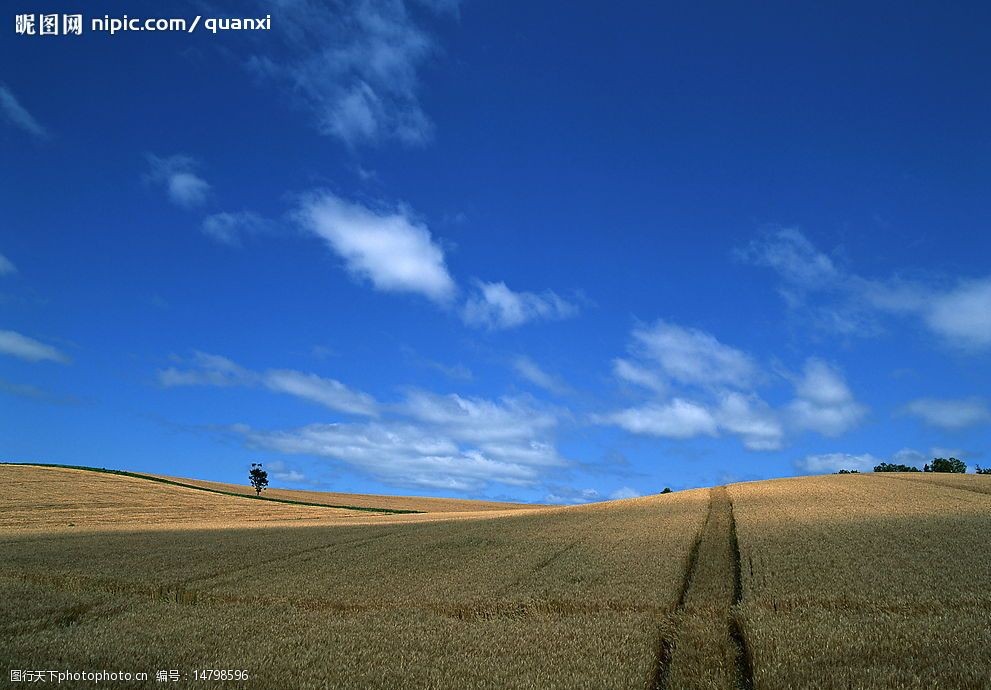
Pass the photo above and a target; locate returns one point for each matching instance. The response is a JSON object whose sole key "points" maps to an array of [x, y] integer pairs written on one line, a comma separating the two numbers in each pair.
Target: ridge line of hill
{"points": [[151, 478]]}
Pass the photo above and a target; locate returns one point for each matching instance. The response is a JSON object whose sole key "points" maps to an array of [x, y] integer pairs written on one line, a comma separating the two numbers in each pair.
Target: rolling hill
{"points": [[865, 581]]}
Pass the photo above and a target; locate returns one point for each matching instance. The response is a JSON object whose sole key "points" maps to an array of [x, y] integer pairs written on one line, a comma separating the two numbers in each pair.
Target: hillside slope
{"points": [[48, 498], [419, 503]]}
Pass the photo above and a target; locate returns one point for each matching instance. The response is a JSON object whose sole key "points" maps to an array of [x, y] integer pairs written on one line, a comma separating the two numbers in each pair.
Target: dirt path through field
{"points": [[707, 649]]}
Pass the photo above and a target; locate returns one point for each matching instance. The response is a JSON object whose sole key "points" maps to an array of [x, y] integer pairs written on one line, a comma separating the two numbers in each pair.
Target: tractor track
{"points": [[705, 646]]}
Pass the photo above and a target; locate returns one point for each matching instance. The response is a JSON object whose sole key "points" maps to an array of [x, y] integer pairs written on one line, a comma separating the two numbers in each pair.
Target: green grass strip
{"points": [[160, 480]]}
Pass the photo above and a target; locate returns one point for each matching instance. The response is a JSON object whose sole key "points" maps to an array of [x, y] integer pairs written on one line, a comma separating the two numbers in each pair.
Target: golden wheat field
{"points": [[854, 581]]}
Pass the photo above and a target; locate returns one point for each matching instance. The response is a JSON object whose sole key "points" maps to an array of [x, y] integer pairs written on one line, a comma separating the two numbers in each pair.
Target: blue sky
{"points": [[519, 251]]}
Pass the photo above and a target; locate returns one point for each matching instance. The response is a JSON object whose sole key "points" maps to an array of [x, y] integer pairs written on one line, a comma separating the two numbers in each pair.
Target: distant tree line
{"points": [[895, 467], [937, 465]]}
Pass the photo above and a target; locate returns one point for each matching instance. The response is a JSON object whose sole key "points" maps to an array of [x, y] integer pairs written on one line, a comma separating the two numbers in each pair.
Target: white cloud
{"points": [[7, 266], [531, 371], [430, 440], [177, 175], [283, 473], [21, 346], [751, 419], [910, 456], [851, 304], [834, 462], [679, 419], [210, 370], [386, 247], [330, 393], [214, 370], [701, 386], [401, 454], [624, 492], [511, 437], [950, 414], [566, 495], [458, 372], [18, 116], [632, 372], [479, 420], [694, 357], [355, 66], [915, 458], [666, 356], [824, 402], [745, 416], [496, 306], [795, 258], [942, 452], [230, 228], [962, 316]]}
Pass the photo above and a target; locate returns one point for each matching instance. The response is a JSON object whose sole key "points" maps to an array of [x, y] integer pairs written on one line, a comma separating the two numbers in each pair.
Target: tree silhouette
{"points": [[946, 465], [258, 477]]}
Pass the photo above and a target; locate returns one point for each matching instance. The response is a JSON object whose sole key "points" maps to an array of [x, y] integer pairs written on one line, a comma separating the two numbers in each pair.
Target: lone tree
{"points": [[986, 470], [258, 478], [946, 465]]}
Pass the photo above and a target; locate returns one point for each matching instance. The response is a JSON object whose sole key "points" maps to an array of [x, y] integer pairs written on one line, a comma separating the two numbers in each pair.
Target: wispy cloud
{"points": [[7, 266], [532, 372], [387, 247], [30, 392], [282, 472], [18, 116], [21, 346], [624, 492], [330, 393], [231, 228], [207, 370], [480, 420], [834, 462], [215, 370], [495, 306], [950, 414], [397, 454], [177, 174], [631, 372], [355, 66], [435, 441], [455, 372], [794, 258], [566, 495], [840, 300], [865, 462]]}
